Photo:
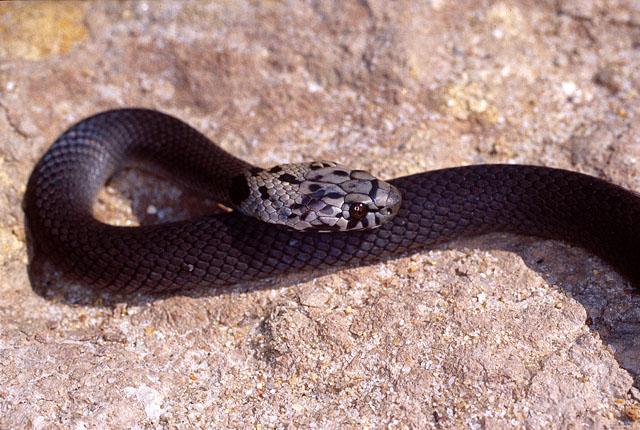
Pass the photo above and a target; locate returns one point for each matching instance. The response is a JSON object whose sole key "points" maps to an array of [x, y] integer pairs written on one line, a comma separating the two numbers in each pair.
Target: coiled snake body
{"points": [[231, 248]]}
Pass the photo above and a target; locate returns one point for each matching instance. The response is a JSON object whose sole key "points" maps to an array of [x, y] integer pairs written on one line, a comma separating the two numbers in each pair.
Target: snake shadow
{"points": [[611, 303]]}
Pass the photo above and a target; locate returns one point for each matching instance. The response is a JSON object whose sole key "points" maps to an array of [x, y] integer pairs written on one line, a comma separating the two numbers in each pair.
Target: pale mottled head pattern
{"points": [[319, 196]]}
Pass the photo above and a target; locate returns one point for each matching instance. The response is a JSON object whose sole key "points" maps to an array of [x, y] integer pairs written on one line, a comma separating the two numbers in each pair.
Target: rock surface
{"points": [[495, 332]]}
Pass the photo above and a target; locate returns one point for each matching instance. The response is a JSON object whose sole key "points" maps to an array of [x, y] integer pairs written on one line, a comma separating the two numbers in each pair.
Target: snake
{"points": [[294, 218]]}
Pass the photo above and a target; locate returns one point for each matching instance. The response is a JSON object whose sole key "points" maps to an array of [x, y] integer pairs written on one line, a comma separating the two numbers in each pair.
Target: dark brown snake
{"points": [[232, 248]]}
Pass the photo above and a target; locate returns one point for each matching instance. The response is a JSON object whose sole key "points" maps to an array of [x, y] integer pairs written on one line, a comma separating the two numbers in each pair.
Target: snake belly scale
{"points": [[232, 248]]}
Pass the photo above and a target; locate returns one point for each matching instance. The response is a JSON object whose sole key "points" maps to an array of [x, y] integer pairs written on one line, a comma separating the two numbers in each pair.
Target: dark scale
{"points": [[264, 192], [239, 190], [289, 178]]}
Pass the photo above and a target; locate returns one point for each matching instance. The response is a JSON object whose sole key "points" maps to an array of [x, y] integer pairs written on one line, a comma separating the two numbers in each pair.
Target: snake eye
{"points": [[358, 211]]}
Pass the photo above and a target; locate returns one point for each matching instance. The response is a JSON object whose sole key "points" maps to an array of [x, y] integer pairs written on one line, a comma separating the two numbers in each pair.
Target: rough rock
{"points": [[495, 332]]}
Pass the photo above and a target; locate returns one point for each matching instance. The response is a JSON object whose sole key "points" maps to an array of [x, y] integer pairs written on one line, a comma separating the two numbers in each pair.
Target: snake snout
{"points": [[394, 201], [388, 201]]}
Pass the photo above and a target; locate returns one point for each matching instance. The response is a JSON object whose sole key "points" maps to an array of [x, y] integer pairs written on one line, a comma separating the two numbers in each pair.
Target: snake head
{"points": [[321, 197]]}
